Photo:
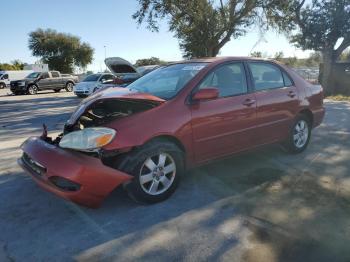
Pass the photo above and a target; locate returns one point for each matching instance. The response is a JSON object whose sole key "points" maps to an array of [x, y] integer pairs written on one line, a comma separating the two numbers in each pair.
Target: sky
{"points": [[109, 23]]}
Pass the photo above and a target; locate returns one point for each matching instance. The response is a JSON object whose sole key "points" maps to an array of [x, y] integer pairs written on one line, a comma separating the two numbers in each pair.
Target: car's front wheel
{"points": [[2, 85], [32, 90], [300, 133], [156, 167]]}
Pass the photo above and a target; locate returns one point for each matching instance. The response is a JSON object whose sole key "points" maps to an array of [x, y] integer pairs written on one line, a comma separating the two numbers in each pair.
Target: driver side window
{"points": [[45, 75], [229, 79]]}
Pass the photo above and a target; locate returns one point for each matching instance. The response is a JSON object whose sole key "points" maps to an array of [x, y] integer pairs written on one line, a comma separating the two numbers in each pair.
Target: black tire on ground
{"points": [[2, 85], [69, 87], [136, 163], [299, 134], [57, 90], [32, 90]]}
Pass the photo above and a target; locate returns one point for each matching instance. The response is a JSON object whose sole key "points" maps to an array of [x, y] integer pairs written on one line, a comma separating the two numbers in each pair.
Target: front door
{"points": [[44, 82], [224, 125], [277, 102]]}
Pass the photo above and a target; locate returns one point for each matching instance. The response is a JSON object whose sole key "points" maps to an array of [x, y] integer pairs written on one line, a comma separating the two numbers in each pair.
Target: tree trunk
{"points": [[327, 81]]}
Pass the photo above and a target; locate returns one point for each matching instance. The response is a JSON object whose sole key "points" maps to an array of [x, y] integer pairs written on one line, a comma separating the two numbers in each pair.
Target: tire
{"points": [[69, 87], [57, 90], [2, 85], [299, 135], [32, 90], [152, 186]]}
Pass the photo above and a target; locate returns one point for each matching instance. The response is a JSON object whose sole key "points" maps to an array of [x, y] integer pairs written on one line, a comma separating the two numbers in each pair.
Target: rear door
{"points": [[277, 101], [56, 80], [224, 125]]}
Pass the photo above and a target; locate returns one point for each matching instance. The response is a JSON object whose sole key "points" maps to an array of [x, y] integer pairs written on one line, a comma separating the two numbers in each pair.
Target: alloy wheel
{"points": [[32, 90], [157, 174], [69, 87], [301, 133]]}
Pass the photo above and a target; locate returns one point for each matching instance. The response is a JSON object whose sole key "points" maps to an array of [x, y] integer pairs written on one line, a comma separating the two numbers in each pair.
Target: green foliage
{"points": [[256, 54], [59, 50], [149, 61], [313, 60], [15, 65], [317, 25], [203, 27]]}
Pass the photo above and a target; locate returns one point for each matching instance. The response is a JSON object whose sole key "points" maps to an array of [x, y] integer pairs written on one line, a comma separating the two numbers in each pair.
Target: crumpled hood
{"points": [[123, 93], [114, 93]]}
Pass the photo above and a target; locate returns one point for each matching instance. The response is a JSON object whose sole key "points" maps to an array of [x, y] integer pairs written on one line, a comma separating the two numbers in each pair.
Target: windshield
{"points": [[33, 75], [92, 78], [167, 81]]}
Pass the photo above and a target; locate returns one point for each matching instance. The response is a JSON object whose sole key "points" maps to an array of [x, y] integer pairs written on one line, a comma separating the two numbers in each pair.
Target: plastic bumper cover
{"points": [[44, 161]]}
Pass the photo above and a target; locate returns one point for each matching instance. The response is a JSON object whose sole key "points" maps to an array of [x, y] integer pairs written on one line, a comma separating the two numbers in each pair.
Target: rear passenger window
{"points": [[266, 76], [229, 79], [55, 74], [287, 80]]}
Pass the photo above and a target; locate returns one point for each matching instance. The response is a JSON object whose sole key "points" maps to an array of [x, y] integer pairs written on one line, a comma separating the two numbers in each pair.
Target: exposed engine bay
{"points": [[106, 110]]}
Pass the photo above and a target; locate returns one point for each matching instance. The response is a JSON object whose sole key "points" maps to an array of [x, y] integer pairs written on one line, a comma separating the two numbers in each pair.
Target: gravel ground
{"points": [[265, 205]]}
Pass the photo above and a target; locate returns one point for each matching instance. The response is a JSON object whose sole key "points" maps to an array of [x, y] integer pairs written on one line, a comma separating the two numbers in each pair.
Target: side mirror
{"points": [[206, 94]]}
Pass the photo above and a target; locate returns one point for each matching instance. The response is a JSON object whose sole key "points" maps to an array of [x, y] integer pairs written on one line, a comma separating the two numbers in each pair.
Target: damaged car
{"points": [[143, 137]]}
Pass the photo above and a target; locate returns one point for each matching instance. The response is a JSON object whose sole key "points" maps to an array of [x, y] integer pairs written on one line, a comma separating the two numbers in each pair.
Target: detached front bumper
{"points": [[72, 175]]}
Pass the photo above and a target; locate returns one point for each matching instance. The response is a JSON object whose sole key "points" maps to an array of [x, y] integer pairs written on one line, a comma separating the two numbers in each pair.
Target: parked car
{"points": [[7, 76], [177, 117], [92, 83], [37, 81], [125, 72], [122, 74]]}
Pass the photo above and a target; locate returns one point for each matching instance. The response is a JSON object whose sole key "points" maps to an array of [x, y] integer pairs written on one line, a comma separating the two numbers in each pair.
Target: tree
{"points": [[278, 56], [60, 51], [203, 27], [149, 61], [15, 65], [320, 26], [256, 54]]}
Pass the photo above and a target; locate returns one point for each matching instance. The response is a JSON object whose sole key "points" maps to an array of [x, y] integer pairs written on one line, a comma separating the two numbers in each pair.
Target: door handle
{"points": [[249, 102], [291, 94]]}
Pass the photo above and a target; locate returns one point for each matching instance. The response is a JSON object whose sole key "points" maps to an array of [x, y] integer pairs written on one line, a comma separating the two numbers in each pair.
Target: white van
{"points": [[7, 76]]}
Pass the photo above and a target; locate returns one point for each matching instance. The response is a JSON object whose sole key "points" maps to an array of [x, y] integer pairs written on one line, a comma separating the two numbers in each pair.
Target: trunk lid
{"points": [[120, 67]]}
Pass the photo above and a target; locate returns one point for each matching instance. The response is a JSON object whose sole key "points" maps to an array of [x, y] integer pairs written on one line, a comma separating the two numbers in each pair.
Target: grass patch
{"points": [[339, 98]]}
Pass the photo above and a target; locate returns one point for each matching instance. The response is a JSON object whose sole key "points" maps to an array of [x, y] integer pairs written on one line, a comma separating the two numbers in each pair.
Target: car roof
{"points": [[220, 59]]}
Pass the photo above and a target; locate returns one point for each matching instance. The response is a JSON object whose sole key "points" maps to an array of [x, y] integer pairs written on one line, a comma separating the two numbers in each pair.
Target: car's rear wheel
{"points": [[69, 87], [300, 133], [2, 85], [57, 90], [32, 90], [156, 167]]}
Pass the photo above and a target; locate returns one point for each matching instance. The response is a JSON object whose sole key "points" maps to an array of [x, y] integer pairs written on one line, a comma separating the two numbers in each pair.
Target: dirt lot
{"points": [[260, 206]]}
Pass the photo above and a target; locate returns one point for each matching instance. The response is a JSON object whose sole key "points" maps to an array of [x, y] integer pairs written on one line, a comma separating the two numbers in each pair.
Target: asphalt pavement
{"points": [[265, 205]]}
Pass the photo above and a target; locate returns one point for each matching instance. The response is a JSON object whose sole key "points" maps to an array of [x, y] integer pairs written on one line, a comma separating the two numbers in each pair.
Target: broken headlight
{"points": [[88, 139]]}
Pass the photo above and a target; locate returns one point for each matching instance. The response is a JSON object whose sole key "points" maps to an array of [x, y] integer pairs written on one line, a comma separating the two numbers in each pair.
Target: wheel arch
{"points": [[169, 138], [308, 113]]}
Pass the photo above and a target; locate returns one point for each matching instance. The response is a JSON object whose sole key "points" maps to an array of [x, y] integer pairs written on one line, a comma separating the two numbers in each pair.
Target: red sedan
{"points": [[179, 116]]}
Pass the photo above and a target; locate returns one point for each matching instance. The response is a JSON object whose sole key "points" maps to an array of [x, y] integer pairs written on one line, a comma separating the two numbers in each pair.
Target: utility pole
{"points": [[105, 47]]}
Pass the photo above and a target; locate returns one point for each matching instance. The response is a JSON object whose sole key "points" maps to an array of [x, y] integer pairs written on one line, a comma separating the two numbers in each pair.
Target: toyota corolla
{"points": [[179, 116]]}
